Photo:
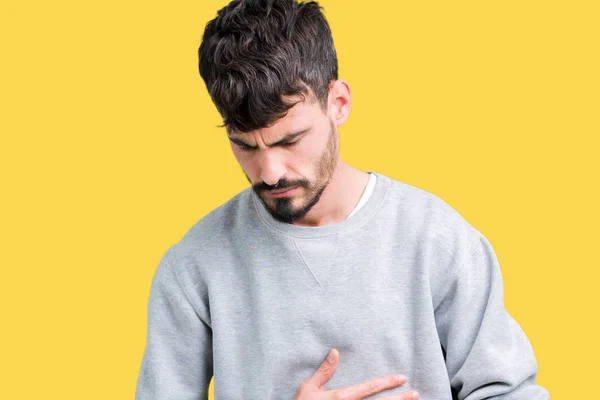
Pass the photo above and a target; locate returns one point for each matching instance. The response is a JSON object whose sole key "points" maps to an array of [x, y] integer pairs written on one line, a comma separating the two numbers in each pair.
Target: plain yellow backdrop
{"points": [[110, 151]]}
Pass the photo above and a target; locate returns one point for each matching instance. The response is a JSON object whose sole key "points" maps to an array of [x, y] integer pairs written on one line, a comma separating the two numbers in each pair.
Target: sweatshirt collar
{"points": [[362, 216]]}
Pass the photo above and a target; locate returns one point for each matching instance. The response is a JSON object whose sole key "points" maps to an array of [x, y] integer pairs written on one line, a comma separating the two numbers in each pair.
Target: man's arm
{"points": [[177, 362], [487, 353]]}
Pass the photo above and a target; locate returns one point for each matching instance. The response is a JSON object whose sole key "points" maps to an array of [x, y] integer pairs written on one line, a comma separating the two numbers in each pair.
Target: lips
{"points": [[282, 192]]}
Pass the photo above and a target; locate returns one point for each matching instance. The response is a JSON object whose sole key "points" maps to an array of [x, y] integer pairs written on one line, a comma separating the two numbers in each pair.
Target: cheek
{"points": [[301, 160], [247, 164], [313, 153]]}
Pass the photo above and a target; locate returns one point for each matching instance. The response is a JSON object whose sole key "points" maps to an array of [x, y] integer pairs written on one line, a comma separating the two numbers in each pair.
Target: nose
{"points": [[272, 167]]}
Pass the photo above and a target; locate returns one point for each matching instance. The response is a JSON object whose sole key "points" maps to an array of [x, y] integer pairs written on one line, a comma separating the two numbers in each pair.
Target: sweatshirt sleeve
{"points": [[177, 361], [488, 356]]}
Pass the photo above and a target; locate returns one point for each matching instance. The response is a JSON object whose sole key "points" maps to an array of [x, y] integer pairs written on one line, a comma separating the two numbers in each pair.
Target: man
{"points": [[318, 255]]}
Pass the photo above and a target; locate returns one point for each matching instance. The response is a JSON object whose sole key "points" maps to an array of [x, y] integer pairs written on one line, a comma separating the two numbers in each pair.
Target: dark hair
{"points": [[257, 51]]}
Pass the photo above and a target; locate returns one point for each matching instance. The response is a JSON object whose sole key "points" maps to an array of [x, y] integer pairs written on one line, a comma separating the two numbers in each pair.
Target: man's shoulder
{"points": [[438, 229], [213, 230], [426, 210], [415, 197]]}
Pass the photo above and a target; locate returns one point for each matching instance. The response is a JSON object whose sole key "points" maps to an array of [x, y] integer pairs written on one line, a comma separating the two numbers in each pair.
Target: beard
{"points": [[282, 209]]}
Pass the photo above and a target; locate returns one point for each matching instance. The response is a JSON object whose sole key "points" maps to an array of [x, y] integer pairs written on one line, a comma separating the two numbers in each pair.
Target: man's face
{"points": [[290, 163]]}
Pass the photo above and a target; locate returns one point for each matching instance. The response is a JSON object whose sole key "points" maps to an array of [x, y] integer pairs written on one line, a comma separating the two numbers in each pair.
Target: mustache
{"points": [[282, 184]]}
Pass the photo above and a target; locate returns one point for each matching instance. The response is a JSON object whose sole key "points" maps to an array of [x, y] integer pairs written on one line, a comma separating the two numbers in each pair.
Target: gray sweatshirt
{"points": [[404, 286]]}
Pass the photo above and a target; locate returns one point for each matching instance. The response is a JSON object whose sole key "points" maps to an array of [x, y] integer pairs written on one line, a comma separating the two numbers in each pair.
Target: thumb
{"points": [[326, 370]]}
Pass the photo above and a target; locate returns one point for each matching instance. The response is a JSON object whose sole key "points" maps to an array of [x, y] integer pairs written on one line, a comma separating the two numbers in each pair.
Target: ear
{"points": [[340, 101]]}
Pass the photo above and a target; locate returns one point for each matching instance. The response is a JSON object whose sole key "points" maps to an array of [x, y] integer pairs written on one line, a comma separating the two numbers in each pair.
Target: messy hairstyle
{"points": [[257, 53]]}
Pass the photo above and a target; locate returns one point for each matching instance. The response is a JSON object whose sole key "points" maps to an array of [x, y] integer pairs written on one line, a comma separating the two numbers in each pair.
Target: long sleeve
{"points": [[488, 356], [177, 362]]}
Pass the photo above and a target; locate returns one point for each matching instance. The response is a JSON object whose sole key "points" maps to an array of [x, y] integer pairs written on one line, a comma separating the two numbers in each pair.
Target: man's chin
{"points": [[284, 212], [272, 203]]}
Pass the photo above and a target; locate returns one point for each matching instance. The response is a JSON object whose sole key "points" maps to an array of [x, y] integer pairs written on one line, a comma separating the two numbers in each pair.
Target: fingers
{"points": [[371, 387], [412, 395], [325, 371]]}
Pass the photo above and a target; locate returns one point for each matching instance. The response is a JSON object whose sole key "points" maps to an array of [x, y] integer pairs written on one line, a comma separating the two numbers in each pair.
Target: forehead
{"points": [[302, 115]]}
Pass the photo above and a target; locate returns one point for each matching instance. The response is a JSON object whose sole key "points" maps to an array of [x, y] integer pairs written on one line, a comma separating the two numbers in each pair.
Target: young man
{"points": [[318, 255]]}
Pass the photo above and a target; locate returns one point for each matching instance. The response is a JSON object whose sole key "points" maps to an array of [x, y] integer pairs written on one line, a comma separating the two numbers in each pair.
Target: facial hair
{"points": [[283, 209]]}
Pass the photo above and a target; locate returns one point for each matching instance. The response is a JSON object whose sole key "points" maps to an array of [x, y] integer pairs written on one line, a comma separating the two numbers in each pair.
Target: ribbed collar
{"points": [[361, 216]]}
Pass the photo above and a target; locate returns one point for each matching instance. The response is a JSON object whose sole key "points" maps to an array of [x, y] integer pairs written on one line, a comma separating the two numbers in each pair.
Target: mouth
{"points": [[282, 193]]}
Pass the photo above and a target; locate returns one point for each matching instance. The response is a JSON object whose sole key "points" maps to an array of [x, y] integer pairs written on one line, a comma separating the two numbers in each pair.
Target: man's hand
{"points": [[312, 389]]}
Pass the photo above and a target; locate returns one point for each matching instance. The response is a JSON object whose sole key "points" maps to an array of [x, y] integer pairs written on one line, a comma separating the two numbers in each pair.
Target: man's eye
{"points": [[290, 144], [245, 148]]}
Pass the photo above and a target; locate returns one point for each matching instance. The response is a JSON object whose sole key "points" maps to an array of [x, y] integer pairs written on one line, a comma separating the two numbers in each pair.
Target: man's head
{"points": [[270, 67], [256, 52]]}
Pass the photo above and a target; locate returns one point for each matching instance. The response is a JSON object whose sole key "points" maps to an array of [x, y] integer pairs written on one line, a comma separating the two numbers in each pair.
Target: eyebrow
{"points": [[284, 139]]}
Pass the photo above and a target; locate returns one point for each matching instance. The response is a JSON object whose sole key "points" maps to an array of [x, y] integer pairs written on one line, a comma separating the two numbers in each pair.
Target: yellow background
{"points": [[109, 152]]}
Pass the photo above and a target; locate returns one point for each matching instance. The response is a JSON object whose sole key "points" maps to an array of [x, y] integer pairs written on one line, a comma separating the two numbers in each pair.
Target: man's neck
{"points": [[339, 197]]}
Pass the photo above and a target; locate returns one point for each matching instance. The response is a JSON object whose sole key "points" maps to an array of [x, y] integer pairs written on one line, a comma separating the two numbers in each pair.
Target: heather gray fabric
{"points": [[405, 285]]}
